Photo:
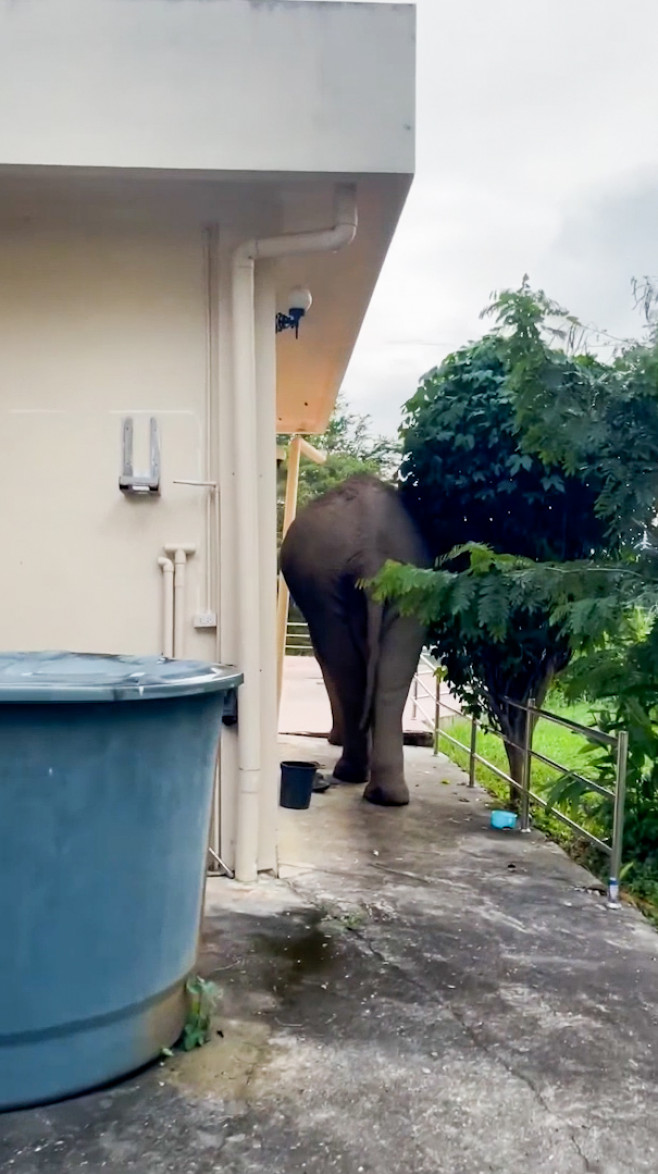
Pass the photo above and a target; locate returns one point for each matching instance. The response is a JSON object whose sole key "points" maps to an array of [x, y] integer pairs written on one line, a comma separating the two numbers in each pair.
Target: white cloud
{"points": [[536, 153]]}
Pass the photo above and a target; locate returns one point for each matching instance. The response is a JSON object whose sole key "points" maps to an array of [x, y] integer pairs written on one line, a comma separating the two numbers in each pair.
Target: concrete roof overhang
{"points": [[310, 368], [245, 114]]}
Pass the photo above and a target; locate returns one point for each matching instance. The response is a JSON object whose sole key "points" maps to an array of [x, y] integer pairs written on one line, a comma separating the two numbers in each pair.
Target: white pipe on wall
{"points": [[247, 509], [181, 554], [167, 568], [248, 593], [268, 798], [210, 433], [180, 561]]}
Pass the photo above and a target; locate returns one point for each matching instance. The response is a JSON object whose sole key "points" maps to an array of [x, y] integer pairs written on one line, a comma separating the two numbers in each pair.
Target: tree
{"points": [[597, 421], [606, 422], [491, 511], [351, 447], [591, 418]]}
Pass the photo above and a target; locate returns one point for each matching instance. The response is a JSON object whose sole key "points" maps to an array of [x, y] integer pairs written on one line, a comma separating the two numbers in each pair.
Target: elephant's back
{"points": [[353, 529]]}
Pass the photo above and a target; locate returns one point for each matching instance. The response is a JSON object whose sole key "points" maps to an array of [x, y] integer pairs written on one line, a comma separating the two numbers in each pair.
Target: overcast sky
{"points": [[537, 152]]}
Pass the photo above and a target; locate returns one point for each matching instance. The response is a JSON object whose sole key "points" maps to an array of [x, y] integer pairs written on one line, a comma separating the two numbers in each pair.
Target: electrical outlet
{"points": [[205, 619]]}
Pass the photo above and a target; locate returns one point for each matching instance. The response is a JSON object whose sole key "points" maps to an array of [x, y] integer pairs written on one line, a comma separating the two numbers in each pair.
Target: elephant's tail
{"points": [[375, 617]]}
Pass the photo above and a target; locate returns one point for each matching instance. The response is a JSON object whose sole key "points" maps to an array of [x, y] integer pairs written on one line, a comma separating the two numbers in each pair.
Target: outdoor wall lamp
{"points": [[299, 303]]}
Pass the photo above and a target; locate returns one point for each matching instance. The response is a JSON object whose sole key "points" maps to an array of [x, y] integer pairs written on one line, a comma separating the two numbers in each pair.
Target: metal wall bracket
{"points": [[129, 481]]}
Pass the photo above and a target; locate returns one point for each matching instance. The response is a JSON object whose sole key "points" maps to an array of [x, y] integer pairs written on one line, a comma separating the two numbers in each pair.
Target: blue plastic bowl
{"points": [[502, 820]]}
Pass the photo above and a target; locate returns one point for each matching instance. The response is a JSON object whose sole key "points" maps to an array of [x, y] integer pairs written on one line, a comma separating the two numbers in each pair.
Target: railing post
{"points": [[414, 707], [527, 766], [472, 752], [618, 820], [437, 713]]}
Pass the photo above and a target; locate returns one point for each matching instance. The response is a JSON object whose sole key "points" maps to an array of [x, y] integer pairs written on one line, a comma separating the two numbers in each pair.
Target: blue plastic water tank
{"points": [[106, 776]]}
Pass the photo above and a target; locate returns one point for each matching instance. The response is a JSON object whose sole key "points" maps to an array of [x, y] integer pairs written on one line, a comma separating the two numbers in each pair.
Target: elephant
{"points": [[368, 653]]}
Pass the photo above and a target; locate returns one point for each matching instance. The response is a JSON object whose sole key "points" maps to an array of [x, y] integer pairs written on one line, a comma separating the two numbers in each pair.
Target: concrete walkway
{"points": [[305, 705], [417, 993]]}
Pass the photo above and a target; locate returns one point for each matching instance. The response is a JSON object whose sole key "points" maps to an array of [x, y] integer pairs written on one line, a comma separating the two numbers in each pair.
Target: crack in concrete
{"points": [[488, 1048], [482, 1045], [587, 1165], [472, 1033], [260, 1055]]}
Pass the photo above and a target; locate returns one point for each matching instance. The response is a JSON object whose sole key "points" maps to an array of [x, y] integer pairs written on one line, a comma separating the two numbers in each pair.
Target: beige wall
{"points": [[96, 325]]}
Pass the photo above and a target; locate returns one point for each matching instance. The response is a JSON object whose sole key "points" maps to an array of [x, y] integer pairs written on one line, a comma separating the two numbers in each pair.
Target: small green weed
{"points": [[202, 997], [344, 921], [354, 920]]}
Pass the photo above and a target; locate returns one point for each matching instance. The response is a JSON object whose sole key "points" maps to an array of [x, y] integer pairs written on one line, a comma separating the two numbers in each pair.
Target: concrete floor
{"points": [[305, 705], [417, 993]]}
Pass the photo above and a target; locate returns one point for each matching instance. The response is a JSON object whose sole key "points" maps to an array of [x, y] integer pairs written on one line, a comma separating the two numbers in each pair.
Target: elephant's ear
{"points": [[375, 615]]}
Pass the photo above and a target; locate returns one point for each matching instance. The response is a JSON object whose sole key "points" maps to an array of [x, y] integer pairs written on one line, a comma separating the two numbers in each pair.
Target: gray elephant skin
{"points": [[368, 652]]}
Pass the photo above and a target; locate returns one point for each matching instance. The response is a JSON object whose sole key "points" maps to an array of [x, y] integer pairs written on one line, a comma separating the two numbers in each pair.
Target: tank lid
{"points": [[80, 676]]}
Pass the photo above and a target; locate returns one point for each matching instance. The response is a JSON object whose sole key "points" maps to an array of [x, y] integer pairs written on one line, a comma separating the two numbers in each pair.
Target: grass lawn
{"points": [[556, 742]]}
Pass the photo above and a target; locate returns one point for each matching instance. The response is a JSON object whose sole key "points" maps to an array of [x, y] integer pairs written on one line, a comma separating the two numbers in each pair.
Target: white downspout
{"points": [[167, 568], [247, 514]]}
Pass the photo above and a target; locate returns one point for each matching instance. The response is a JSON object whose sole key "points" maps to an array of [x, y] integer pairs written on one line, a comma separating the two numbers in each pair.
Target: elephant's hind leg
{"points": [[344, 669], [402, 644], [336, 736]]}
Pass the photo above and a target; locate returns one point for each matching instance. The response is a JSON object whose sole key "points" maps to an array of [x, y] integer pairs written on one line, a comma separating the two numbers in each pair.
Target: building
{"points": [[159, 160]]}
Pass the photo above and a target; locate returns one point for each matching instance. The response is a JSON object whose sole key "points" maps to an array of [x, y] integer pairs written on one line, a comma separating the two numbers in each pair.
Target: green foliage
{"points": [[533, 471], [506, 625], [350, 434], [532, 580], [202, 999], [351, 448], [497, 516], [620, 682], [466, 477], [598, 420], [606, 422], [582, 600]]}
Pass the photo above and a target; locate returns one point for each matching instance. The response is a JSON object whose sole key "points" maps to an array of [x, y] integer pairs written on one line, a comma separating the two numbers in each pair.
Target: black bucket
{"points": [[297, 784]]}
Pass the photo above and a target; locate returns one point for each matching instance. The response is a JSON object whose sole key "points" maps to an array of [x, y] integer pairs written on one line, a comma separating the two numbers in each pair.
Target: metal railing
{"points": [[422, 692], [298, 640], [428, 667]]}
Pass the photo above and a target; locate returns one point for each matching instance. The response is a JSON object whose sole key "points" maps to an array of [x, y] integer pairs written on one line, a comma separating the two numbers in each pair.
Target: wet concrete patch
{"points": [[224, 1067]]}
